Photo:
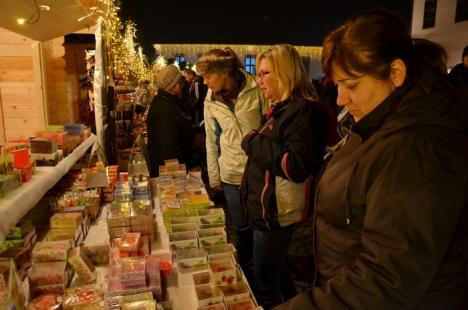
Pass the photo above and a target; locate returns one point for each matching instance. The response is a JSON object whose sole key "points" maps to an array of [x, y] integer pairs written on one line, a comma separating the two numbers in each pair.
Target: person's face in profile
{"points": [[267, 81], [362, 93], [216, 81]]}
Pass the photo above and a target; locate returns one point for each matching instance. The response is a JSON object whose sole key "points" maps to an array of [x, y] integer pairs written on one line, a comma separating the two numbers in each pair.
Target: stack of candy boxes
{"points": [[198, 240]]}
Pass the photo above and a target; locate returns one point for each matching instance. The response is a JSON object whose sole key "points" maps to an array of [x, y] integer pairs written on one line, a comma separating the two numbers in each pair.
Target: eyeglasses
{"points": [[262, 74]]}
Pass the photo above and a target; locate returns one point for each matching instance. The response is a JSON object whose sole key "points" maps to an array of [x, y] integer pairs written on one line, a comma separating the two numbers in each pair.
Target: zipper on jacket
{"points": [[314, 235], [265, 186]]}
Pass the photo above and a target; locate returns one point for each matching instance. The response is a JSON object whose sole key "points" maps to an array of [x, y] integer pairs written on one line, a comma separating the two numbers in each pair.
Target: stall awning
{"points": [[64, 17]]}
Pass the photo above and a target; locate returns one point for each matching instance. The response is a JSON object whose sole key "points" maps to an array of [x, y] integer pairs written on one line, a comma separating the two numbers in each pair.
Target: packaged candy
{"points": [[211, 237], [48, 273], [46, 302], [47, 289], [245, 304], [66, 220], [98, 254], [235, 291], [224, 272], [140, 305], [208, 294], [82, 265], [191, 259], [87, 297], [48, 251]]}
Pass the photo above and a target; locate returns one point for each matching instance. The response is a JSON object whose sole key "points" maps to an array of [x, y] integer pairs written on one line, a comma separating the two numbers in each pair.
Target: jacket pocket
{"points": [[290, 200]]}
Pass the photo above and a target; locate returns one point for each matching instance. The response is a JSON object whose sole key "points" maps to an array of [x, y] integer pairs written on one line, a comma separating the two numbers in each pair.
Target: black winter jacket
{"points": [[169, 132], [290, 144], [392, 206]]}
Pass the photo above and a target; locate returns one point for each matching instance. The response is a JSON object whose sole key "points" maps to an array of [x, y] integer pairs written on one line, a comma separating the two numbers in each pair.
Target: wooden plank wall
{"points": [[59, 86], [20, 110]]}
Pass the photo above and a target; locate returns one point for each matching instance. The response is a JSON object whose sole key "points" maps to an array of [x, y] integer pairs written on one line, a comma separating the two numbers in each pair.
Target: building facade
{"points": [[444, 22], [311, 55]]}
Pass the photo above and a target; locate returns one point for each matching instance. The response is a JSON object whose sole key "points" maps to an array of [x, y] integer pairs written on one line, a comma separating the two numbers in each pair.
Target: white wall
{"points": [[452, 36]]}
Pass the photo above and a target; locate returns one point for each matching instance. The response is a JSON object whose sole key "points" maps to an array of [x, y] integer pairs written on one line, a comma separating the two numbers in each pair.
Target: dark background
{"points": [[245, 22]]}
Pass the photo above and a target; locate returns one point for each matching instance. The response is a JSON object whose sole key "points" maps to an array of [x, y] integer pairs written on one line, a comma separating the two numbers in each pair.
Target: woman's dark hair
{"points": [[431, 53], [219, 61], [367, 44]]}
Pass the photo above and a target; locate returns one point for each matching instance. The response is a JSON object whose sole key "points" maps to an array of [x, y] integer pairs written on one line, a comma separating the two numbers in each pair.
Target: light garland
{"points": [[126, 62]]}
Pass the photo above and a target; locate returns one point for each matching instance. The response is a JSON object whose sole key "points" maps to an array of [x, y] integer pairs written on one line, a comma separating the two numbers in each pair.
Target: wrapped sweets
{"points": [[220, 251], [153, 271], [211, 237], [87, 297], [204, 277], [130, 244], [171, 164], [46, 302], [98, 254], [132, 269], [183, 240], [191, 259], [48, 251], [140, 305], [63, 234], [141, 214], [38, 145], [8, 182], [48, 273], [245, 304], [224, 272], [66, 220], [118, 214], [235, 292], [82, 265], [213, 307], [116, 301], [208, 294]]}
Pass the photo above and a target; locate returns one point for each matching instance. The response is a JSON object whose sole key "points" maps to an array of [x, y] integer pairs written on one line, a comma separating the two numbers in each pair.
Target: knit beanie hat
{"points": [[168, 77], [465, 52]]}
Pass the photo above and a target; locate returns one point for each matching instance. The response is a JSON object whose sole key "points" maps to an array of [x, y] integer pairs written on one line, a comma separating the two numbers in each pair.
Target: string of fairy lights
{"points": [[126, 61]]}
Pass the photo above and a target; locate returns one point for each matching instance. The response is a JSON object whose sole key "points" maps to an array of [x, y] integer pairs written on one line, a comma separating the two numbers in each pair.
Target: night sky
{"points": [[246, 22]]}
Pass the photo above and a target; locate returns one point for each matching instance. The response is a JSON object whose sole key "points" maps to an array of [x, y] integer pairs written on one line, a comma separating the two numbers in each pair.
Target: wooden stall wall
{"points": [[22, 94], [59, 86]]}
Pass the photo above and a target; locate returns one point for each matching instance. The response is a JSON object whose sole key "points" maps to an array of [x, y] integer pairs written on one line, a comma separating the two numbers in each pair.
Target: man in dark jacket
{"points": [[195, 93], [169, 131]]}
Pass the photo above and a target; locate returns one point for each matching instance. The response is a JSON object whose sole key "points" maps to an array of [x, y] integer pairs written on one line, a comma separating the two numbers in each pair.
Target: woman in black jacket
{"points": [[283, 157], [392, 205]]}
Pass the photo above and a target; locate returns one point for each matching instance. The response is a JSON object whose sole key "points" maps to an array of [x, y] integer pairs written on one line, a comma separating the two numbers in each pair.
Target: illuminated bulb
{"points": [[21, 21], [43, 7]]}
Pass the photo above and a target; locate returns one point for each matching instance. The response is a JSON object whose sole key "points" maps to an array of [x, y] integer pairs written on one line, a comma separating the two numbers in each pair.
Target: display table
{"points": [[19, 201], [183, 297]]}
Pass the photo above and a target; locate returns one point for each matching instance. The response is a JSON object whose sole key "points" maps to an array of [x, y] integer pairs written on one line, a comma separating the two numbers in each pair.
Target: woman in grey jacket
{"points": [[233, 106]]}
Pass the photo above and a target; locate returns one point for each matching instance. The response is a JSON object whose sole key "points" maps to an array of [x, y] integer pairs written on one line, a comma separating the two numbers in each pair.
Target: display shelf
{"points": [[19, 201]]}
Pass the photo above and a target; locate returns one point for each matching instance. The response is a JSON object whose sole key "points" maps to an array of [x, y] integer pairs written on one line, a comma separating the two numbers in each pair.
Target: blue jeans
{"points": [[239, 223], [273, 283]]}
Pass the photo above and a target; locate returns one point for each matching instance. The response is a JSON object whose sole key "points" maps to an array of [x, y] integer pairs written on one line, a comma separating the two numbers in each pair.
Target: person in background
{"points": [[392, 203], [460, 71], [169, 131], [196, 92], [233, 106], [431, 53], [284, 156], [142, 96]]}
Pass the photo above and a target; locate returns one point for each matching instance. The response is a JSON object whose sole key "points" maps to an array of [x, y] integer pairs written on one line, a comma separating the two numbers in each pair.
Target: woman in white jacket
{"points": [[234, 105]]}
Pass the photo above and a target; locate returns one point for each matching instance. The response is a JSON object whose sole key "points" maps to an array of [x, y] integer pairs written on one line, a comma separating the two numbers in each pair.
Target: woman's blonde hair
{"points": [[287, 67]]}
